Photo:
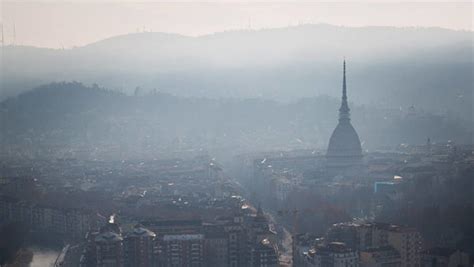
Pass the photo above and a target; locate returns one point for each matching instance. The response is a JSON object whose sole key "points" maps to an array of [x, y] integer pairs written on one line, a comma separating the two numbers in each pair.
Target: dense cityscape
{"points": [[339, 207], [308, 145]]}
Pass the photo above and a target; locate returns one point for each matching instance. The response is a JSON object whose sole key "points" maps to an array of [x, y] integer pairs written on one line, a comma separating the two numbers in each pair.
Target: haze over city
{"points": [[263, 134]]}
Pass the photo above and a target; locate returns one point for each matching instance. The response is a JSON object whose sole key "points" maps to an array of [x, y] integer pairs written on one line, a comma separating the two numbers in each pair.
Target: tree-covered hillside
{"points": [[73, 116]]}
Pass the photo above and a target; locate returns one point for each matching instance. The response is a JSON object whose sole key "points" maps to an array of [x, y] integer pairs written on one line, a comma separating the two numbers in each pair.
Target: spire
{"points": [[344, 90], [344, 109]]}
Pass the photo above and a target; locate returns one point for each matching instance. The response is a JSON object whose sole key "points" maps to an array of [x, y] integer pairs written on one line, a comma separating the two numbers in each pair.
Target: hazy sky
{"points": [[74, 23]]}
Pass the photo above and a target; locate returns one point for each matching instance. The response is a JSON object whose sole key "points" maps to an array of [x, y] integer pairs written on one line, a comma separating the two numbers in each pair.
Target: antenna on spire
{"points": [[344, 89], [344, 109]]}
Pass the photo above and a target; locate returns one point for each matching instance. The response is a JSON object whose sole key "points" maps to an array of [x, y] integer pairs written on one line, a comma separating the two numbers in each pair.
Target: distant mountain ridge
{"points": [[386, 66]]}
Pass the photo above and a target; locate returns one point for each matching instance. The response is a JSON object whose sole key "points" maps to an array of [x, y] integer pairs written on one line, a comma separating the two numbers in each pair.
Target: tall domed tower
{"points": [[344, 154]]}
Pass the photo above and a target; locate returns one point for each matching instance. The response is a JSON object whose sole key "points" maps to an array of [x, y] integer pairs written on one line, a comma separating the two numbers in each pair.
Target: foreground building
{"points": [[109, 246], [380, 257], [139, 247], [437, 257], [375, 238], [334, 254], [263, 254], [182, 250]]}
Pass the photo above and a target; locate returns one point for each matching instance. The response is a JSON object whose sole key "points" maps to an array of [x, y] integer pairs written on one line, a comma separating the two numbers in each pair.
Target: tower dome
{"points": [[344, 153]]}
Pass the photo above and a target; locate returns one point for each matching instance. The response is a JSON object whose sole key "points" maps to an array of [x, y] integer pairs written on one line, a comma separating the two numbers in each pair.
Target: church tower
{"points": [[344, 154]]}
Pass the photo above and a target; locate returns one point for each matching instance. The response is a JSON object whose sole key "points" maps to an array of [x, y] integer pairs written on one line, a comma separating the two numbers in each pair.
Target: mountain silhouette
{"points": [[386, 66]]}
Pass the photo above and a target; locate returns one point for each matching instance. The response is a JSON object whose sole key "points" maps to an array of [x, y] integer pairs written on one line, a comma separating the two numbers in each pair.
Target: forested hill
{"points": [[72, 116]]}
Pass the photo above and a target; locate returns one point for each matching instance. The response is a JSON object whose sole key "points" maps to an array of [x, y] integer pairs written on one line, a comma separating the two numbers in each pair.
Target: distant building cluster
{"points": [[168, 213]]}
